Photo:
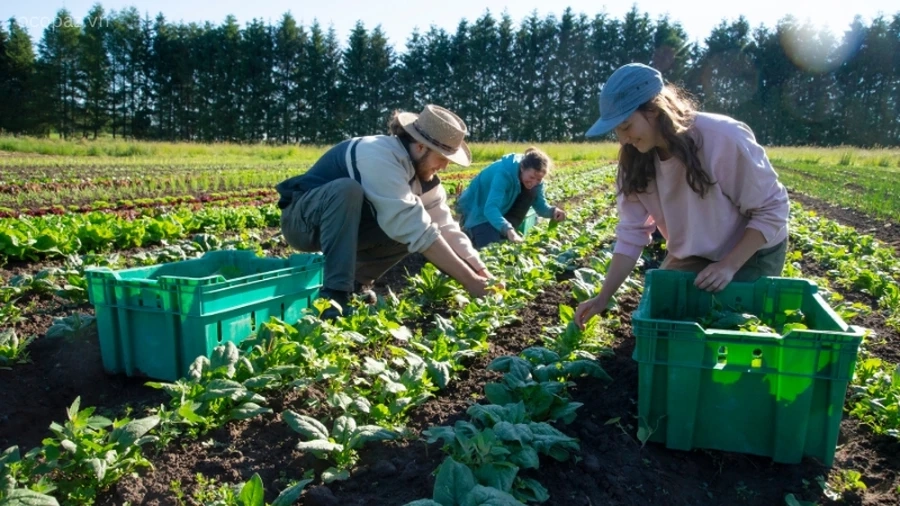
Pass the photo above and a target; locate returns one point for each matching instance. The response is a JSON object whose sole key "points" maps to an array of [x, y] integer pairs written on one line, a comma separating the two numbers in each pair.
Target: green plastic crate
{"points": [[763, 394], [155, 321], [529, 222]]}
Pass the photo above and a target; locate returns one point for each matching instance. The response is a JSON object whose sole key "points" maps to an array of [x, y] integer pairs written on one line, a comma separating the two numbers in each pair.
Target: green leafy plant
{"points": [[724, 318], [847, 480], [10, 314], [586, 284], [567, 339], [17, 483], [456, 485], [12, 348], [875, 396], [507, 442], [88, 453], [394, 393], [432, 286], [340, 445], [544, 397], [73, 326], [209, 396], [250, 493]]}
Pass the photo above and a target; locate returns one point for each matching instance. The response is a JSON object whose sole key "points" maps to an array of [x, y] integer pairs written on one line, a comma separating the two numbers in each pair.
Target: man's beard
{"points": [[422, 174]]}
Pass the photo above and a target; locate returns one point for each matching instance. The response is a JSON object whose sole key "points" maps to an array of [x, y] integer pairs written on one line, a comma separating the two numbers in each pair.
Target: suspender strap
{"points": [[356, 175]]}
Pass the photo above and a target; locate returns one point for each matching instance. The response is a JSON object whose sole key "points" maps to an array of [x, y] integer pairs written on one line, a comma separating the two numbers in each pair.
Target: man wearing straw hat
{"points": [[370, 201]]}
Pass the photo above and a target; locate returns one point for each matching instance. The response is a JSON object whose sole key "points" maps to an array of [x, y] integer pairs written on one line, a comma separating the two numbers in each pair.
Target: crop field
{"points": [[428, 397]]}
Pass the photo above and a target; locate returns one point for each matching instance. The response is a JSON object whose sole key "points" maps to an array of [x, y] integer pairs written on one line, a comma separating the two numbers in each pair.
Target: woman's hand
{"points": [[513, 236], [715, 277], [587, 309], [558, 214]]}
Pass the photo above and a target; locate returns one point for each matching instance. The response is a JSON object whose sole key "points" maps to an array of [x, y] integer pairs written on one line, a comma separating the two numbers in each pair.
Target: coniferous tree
{"points": [[94, 72], [774, 69], [507, 80], [637, 38], [256, 102], [412, 65], [353, 78], [289, 79], [727, 73], [569, 74], [672, 53], [57, 71], [381, 82], [462, 67], [17, 83], [226, 41], [5, 78], [439, 69], [128, 55], [535, 43], [324, 122], [485, 79]]}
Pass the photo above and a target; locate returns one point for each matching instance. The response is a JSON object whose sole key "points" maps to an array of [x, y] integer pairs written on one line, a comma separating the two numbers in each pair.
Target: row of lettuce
{"points": [[61, 232]]}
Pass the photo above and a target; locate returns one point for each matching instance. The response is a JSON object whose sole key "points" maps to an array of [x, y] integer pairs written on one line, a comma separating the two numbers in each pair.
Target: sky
{"points": [[399, 18]]}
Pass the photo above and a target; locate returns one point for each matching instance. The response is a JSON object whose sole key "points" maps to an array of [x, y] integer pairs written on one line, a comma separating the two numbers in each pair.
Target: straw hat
{"points": [[440, 130]]}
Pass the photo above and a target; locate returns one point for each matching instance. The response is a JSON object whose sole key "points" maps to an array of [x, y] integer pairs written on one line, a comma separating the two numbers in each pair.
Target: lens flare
{"points": [[816, 50]]}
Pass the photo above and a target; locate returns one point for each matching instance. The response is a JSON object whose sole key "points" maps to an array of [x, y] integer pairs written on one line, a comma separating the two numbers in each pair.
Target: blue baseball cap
{"points": [[628, 88]]}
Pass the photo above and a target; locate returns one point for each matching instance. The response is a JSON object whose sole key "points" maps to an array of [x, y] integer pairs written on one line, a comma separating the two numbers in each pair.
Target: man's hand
{"points": [[558, 214], [513, 236], [478, 287], [715, 277], [484, 273]]}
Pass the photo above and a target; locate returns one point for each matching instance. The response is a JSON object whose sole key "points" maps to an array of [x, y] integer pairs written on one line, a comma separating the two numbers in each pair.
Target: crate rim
{"points": [[108, 273], [644, 304], [853, 331]]}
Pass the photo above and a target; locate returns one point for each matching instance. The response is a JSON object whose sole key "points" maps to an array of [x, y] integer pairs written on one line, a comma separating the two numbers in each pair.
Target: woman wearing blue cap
{"points": [[498, 198], [701, 179]]}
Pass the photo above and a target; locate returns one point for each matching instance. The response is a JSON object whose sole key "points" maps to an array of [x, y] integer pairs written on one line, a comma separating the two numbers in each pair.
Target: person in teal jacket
{"points": [[498, 198]]}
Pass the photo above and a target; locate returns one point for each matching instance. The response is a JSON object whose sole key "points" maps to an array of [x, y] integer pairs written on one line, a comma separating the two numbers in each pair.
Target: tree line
{"points": [[122, 74]]}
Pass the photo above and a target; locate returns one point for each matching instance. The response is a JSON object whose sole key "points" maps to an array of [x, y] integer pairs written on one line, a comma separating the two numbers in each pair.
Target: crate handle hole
{"points": [[252, 321], [282, 310], [140, 301], [722, 358], [219, 331], [158, 301], [757, 358]]}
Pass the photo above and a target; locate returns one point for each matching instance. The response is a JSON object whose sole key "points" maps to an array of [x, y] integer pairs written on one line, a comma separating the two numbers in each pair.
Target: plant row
{"points": [[96, 232], [859, 263], [146, 206]]}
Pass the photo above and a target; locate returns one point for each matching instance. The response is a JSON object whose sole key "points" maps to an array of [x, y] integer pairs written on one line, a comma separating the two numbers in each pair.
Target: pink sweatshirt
{"points": [[746, 194]]}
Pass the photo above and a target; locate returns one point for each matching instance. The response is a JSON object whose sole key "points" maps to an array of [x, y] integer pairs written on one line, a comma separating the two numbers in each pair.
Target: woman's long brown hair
{"points": [[676, 112]]}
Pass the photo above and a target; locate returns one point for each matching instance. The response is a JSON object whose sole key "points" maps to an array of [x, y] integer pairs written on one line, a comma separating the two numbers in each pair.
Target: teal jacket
{"points": [[492, 192]]}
